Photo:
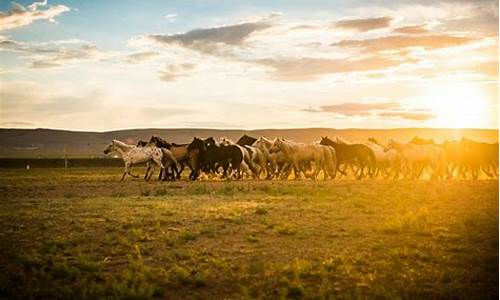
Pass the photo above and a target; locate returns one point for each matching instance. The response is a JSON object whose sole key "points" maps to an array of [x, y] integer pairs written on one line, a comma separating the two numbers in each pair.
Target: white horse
{"points": [[133, 155], [385, 161], [274, 161], [417, 157], [300, 156]]}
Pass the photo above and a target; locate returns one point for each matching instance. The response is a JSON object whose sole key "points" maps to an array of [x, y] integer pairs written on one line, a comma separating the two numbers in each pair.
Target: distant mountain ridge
{"points": [[54, 143]]}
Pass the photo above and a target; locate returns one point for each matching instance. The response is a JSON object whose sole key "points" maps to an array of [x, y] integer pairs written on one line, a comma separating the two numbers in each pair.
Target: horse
{"points": [[385, 161], [224, 156], [485, 154], [299, 156], [133, 155], [418, 157], [196, 151], [352, 154], [274, 161], [250, 162], [211, 156], [180, 152], [246, 140]]}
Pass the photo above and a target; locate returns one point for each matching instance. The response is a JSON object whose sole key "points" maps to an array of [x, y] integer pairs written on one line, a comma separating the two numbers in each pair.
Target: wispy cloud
{"points": [[211, 40], [373, 109], [398, 42], [174, 71], [308, 68], [20, 15], [412, 29], [55, 54], [138, 57], [413, 116], [365, 24], [171, 17]]}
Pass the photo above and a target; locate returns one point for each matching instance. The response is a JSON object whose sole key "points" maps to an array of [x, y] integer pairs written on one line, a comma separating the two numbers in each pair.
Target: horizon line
{"points": [[255, 129]]}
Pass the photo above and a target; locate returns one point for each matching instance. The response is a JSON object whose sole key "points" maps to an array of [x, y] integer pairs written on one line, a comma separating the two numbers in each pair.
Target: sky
{"points": [[108, 65]]}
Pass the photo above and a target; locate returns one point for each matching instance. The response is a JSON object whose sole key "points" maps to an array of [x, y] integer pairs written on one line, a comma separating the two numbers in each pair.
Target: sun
{"points": [[458, 106]]}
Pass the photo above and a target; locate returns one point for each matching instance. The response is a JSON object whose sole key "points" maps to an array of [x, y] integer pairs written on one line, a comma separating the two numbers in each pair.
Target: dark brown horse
{"points": [[357, 154], [212, 156]]}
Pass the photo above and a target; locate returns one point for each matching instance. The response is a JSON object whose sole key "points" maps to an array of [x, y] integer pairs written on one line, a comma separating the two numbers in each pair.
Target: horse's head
{"points": [[159, 142], [277, 146], [110, 147], [210, 142], [391, 145], [197, 144], [325, 141]]}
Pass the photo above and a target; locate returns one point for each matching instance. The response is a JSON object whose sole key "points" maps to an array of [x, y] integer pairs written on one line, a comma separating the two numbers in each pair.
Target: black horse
{"points": [[351, 154], [246, 140], [211, 156]]}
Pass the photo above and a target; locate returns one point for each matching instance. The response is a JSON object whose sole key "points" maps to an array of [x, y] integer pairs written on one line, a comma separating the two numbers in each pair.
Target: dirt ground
{"points": [[79, 233]]}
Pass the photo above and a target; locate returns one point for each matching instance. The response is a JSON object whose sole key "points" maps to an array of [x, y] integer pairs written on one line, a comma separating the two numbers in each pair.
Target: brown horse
{"points": [[357, 154], [179, 151]]}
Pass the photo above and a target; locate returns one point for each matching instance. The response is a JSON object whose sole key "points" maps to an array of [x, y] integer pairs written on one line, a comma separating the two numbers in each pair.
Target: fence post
{"points": [[65, 158]]}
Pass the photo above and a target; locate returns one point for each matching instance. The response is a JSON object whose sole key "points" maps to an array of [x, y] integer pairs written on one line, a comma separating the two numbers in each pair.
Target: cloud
{"points": [[211, 40], [308, 68], [374, 109], [481, 17], [175, 71], [171, 17], [355, 108], [65, 56], [364, 24], [413, 29], [397, 42], [413, 116], [19, 15], [52, 54], [138, 57]]}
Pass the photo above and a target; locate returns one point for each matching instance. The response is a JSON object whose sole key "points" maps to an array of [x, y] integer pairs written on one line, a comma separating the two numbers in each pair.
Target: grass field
{"points": [[79, 233]]}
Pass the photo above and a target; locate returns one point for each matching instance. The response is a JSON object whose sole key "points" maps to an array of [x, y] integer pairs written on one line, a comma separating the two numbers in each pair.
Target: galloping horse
{"points": [[179, 151], [352, 154], [417, 157], [385, 161], [299, 157], [133, 155], [485, 154]]}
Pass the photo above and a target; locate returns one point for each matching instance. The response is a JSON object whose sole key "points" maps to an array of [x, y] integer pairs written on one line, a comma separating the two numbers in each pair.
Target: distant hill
{"points": [[32, 143]]}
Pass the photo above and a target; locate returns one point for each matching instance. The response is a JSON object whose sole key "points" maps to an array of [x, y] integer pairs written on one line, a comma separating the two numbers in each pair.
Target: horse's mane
{"points": [[374, 141], [340, 140]]}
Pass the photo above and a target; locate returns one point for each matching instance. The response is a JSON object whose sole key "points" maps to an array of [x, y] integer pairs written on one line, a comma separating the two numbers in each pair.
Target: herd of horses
{"points": [[260, 158]]}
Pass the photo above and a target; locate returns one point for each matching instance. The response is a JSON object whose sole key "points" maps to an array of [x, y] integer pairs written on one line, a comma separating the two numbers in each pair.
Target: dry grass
{"points": [[81, 234]]}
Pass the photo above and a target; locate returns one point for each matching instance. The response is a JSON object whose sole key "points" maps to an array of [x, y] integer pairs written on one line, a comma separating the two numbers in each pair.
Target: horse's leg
{"points": [[148, 167], [127, 168], [179, 172], [125, 171], [151, 173], [361, 172]]}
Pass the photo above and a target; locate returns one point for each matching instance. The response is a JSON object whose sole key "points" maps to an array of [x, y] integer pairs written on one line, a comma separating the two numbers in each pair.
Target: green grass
{"points": [[81, 234]]}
